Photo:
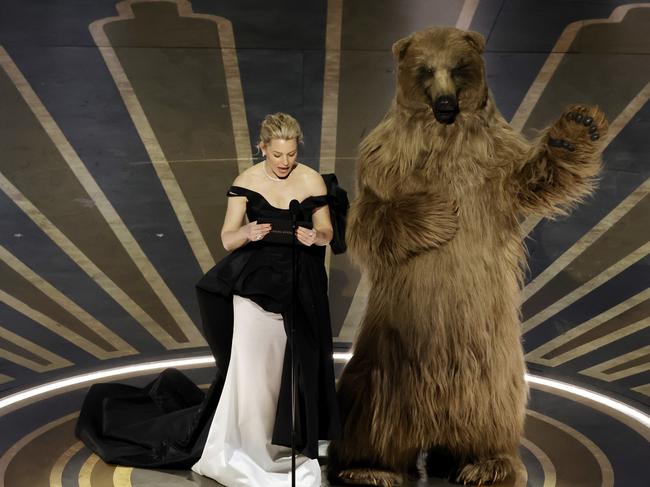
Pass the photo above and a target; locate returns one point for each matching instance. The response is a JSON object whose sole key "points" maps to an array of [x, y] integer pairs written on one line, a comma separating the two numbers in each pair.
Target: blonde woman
{"points": [[248, 440], [239, 433]]}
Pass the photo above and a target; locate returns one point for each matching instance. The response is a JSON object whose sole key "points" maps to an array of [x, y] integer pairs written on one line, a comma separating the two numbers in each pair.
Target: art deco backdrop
{"points": [[123, 124]]}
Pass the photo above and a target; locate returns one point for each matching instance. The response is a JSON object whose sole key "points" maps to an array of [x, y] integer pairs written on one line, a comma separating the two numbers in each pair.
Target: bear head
{"points": [[441, 73]]}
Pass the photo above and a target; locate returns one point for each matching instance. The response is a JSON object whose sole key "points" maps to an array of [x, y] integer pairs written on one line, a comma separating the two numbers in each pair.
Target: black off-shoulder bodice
{"points": [[261, 271], [257, 206]]}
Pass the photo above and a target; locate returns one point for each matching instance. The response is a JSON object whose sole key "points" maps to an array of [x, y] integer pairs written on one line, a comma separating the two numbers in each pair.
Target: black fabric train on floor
{"points": [[166, 423]]}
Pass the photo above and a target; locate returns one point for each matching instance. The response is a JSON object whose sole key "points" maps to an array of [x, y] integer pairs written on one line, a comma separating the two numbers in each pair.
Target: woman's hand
{"points": [[255, 232], [306, 236]]}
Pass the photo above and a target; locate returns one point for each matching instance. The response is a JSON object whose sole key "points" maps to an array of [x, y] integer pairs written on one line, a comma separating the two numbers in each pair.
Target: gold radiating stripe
{"points": [[108, 212], [5, 378], [520, 473], [587, 287], [561, 47], [331, 79], [9, 455], [615, 128], [606, 471], [122, 477], [467, 14], [550, 475], [331, 86], [537, 355], [55, 361], [587, 240], [356, 310], [150, 141], [600, 371], [122, 348], [87, 470], [644, 389], [56, 474], [154, 150], [236, 102], [88, 266]]}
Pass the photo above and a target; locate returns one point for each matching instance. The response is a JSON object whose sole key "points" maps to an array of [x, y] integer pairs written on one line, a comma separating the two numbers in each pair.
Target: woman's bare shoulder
{"points": [[246, 178], [313, 180]]}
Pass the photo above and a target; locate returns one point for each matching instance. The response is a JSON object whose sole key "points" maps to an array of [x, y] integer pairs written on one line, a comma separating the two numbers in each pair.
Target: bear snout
{"points": [[445, 109]]}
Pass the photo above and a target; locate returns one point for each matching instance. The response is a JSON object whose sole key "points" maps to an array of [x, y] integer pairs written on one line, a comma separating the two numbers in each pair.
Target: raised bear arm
{"points": [[561, 169], [385, 232]]}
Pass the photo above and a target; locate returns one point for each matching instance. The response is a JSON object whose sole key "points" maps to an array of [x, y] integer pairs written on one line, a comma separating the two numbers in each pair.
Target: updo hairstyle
{"points": [[279, 126]]}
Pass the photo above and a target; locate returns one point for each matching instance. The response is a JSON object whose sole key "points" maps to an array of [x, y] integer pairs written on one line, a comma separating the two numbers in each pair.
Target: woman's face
{"points": [[281, 156]]}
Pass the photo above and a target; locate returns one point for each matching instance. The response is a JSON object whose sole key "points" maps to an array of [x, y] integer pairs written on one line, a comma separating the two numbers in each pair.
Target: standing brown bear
{"points": [[443, 182]]}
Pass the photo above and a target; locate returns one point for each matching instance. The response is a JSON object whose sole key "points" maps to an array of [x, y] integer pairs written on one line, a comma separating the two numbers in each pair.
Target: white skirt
{"points": [[238, 451]]}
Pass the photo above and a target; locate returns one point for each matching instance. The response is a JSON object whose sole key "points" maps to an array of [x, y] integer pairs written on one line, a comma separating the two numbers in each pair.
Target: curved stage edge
{"points": [[574, 436]]}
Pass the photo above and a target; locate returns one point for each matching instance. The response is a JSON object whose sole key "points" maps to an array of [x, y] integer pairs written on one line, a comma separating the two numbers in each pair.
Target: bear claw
{"points": [[367, 476], [561, 143], [485, 472]]}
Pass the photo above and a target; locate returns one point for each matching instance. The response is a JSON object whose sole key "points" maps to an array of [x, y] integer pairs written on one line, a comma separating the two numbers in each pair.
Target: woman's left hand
{"points": [[306, 236]]}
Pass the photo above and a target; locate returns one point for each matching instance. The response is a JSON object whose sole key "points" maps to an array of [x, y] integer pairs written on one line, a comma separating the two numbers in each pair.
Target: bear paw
{"points": [[580, 127], [484, 472], [367, 476]]}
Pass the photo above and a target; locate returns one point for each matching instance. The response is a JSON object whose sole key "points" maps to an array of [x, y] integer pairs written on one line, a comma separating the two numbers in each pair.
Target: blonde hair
{"points": [[279, 126]]}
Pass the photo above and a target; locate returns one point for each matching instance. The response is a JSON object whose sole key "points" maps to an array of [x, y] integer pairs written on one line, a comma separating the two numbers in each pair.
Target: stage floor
{"points": [[569, 441]]}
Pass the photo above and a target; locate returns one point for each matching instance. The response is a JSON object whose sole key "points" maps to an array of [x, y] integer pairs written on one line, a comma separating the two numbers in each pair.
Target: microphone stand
{"points": [[295, 208]]}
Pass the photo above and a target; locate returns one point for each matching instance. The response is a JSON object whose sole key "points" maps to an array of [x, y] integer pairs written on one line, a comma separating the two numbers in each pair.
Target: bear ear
{"points": [[476, 40], [400, 47]]}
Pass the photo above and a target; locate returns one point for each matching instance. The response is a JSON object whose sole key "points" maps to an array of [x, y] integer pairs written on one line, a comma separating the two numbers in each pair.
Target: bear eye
{"points": [[459, 70], [426, 71]]}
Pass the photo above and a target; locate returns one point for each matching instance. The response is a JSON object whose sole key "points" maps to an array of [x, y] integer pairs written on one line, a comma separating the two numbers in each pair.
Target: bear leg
{"points": [[356, 458]]}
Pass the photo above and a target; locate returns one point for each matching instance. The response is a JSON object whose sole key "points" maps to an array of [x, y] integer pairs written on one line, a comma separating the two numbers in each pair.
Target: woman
{"points": [[246, 302]]}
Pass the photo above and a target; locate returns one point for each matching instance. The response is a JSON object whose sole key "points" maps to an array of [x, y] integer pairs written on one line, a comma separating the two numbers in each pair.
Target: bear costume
{"points": [[443, 183]]}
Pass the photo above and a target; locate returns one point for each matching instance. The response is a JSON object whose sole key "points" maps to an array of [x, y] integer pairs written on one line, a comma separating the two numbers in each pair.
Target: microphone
{"points": [[294, 209]]}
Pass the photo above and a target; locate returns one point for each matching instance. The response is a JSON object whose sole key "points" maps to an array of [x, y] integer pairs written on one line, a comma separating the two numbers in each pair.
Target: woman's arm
{"points": [[322, 232], [234, 233]]}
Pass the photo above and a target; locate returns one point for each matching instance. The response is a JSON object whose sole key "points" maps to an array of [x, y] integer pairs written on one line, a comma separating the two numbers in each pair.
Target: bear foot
{"points": [[484, 472], [367, 476]]}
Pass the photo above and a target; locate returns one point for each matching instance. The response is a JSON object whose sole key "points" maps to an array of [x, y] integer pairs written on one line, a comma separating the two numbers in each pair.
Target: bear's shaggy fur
{"points": [[443, 182]]}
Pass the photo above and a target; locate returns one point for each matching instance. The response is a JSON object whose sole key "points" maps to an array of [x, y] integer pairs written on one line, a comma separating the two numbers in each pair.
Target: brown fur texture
{"points": [[438, 363]]}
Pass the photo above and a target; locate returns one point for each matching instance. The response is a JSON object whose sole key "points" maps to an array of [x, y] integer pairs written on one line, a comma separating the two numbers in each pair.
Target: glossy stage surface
{"points": [[570, 440]]}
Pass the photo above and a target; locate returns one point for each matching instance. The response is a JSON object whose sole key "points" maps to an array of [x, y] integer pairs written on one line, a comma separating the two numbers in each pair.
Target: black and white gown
{"points": [[239, 431], [238, 450]]}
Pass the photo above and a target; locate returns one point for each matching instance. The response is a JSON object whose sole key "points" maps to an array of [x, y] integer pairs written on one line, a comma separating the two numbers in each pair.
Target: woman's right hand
{"points": [[255, 232]]}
